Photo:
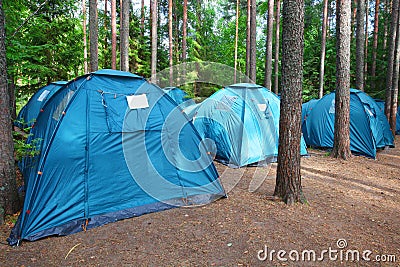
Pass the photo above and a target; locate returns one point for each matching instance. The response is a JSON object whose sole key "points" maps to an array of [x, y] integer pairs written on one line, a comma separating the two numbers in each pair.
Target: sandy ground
{"points": [[353, 209]]}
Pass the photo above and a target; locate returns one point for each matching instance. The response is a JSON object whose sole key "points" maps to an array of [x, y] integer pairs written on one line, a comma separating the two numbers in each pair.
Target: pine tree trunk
{"points": [[184, 31], [236, 41], [288, 178], [360, 39], [366, 43], [268, 46], [142, 18], [277, 34], [391, 58], [113, 34], [375, 46], [341, 143], [248, 41], [395, 83], [170, 42], [9, 201], [253, 41], [153, 11], [323, 49], [85, 63], [93, 36], [125, 35], [105, 18]]}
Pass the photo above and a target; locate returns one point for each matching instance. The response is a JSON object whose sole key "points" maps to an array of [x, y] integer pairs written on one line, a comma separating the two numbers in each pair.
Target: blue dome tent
{"points": [[243, 121], [369, 128], [113, 147], [28, 114]]}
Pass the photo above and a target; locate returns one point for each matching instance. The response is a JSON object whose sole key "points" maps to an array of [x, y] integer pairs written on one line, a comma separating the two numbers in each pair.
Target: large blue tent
{"points": [[243, 122], [28, 114], [113, 147], [369, 128]]}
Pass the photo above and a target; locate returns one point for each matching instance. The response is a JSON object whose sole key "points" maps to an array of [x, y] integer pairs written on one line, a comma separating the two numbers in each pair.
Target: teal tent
{"points": [[113, 147], [369, 128], [179, 96], [243, 122], [28, 114], [381, 104]]}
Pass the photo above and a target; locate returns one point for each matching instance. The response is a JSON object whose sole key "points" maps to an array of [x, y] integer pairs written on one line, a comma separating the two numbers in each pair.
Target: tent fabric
{"points": [[101, 160], [28, 114], [381, 104], [369, 128], [179, 96], [243, 122]]}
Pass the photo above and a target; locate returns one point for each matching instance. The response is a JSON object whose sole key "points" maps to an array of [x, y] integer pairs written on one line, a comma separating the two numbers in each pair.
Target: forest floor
{"points": [[353, 209]]}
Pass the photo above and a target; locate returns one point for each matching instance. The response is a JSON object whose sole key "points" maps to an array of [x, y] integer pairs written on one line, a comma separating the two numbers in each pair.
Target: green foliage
{"points": [[23, 149]]}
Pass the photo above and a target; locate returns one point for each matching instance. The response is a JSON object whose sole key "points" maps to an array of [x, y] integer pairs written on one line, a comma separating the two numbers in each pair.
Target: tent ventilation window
{"points": [[43, 95], [226, 102], [63, 104]]}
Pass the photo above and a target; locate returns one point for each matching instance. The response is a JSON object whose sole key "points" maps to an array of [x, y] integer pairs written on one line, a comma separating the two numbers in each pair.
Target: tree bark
{"points": [[288, 178], [253, 41], [170, 42], [391, 58], [93, 35], [375, 45], [153, 11], [366, 43], [236, 41], [268, 46], [125, 35], [395, 83], [113, 34], [323, 49], [341, 142], [184, 31], [360, 39], [142, 18], [105, 21], [9, 201], [85, 63], [277, 34], [248, 41]]}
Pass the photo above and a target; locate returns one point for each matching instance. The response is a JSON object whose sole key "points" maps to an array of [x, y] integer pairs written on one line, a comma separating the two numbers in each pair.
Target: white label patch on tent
{"points": [[43, 95], [332, 108], [262, 107], [137, 101]]}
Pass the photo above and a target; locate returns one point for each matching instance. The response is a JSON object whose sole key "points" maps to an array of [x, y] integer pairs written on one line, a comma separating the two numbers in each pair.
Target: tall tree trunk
{"points": [[395, 83], [391, 58], [288, 178], [360, 39], [125, 35], [93, 36], [113, 34], [323, 49], [184, 31], [253, 41], [105, 18], [170, 42], [9, 202], [248, 41], [387, 7], [85, 63], [153, 11], [236, 40], [268, 46], [366, 42], [375, 45], [341, 142], [142, 18], [277, 34]]}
